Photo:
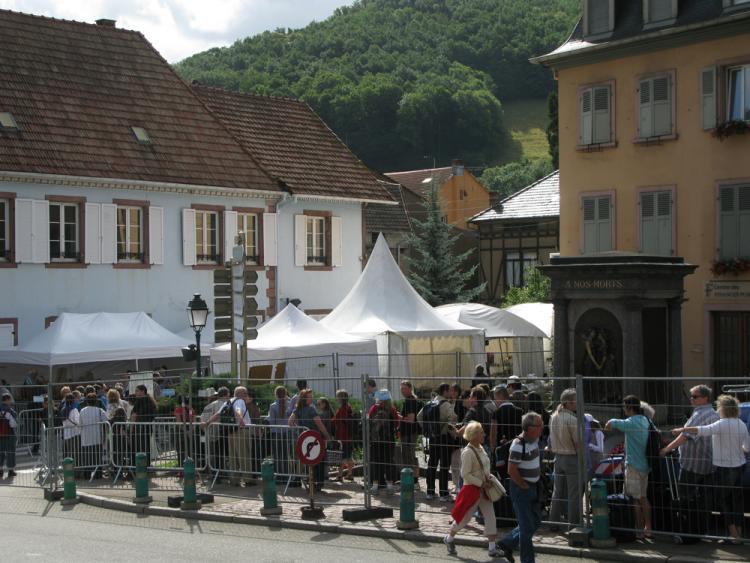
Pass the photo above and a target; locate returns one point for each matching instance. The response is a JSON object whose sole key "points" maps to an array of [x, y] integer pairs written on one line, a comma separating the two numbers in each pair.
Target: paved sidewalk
{"points": [[243, 505]]}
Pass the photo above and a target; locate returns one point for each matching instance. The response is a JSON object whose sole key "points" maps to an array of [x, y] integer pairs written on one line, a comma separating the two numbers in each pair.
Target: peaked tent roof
{"points": [[76, 89], [497, 323], [294, 145], [383, 300], [97, 337]]}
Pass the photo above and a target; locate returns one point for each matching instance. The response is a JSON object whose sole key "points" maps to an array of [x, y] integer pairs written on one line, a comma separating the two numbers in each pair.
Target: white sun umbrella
{"points": [[497, 323]]}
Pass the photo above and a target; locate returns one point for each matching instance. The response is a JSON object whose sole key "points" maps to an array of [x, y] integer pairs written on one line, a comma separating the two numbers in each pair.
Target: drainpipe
{"points": [[285, 198]]}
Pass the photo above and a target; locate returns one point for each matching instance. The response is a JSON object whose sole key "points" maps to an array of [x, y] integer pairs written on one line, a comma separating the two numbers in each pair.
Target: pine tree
{"points": [[437, 273]]}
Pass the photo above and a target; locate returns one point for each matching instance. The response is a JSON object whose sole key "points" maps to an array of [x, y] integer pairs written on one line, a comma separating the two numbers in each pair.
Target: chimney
{"points": [[106, 23], [457, 167]]}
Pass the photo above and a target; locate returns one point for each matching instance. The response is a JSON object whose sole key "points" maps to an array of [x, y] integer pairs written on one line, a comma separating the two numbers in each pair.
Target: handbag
{"points": [[492, 486]]}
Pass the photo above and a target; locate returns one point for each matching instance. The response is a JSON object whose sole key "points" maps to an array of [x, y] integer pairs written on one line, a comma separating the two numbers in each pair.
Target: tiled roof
{"points": [[294, 145], [540, 199], [629, 23], [414, 180], [76, 90], [381, 218]]}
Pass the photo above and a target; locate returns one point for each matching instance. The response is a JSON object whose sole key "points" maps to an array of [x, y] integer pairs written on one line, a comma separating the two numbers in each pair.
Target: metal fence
{"points": [[690, 492]]}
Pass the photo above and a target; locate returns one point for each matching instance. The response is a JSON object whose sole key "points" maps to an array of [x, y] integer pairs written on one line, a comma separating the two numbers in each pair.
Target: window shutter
{"points": [[649, 234], [93, 233], [270, 240], [156, 235], [188, 237], [664, 223], [662, 105], [300, 240], [602, 123], [7, 336], [598, 16], [645, 128], [729, 226], [40, 231], [23, 221], [604, 224], [589, 225], [743, 204], [337, 251], [109, 233], [660, 10], [230, 231], [587, 117], [708, 97]]}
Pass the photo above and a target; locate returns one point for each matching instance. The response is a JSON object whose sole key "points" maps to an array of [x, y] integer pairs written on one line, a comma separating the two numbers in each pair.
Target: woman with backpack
{"points": [[384, 420]]}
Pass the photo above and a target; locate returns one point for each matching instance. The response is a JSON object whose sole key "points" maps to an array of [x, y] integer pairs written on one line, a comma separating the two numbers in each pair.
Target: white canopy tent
{"points": [[383, 305], [532, 354], [496, 323], [308, 349], [97, 337]]}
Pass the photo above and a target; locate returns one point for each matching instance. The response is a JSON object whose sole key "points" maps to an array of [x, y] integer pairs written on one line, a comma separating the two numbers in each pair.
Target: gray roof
{"points": [[540, 199], [629, 25]]}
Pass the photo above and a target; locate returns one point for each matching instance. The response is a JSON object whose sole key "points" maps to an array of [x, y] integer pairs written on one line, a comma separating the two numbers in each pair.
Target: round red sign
{"points": [[310, 447]]}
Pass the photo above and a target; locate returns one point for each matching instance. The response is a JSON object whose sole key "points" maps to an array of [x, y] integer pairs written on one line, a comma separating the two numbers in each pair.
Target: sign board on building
{"points": [[730, 290]]}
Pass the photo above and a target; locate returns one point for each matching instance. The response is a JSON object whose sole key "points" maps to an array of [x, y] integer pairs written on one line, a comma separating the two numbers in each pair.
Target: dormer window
{"points": [[659, 12], [141, 135], [7, 122], [599, 18]]}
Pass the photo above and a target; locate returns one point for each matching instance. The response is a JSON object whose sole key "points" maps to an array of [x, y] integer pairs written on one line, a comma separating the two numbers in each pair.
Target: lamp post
{"points": [[197, 317]]}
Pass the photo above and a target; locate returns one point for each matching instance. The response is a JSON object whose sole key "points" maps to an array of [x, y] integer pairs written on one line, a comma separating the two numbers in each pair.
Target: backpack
{"points": [[431, 418], [226, 415], [653, 445], [380, 424]]}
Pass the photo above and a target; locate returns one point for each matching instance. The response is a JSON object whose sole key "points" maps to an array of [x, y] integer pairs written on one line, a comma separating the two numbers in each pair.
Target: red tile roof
{"points": [[414, 180], [381, 218], [76, 90], [294, 145]]}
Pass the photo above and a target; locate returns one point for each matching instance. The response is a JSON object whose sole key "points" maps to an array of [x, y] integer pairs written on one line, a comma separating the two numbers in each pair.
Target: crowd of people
{"points": [[469, 437]]}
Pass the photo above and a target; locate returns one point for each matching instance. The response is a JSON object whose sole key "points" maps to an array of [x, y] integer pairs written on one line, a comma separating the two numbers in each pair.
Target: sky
{"points": [[179, 28]]}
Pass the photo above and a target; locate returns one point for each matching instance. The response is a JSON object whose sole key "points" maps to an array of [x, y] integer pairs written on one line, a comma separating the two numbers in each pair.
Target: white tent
{"points": [[307, 349], [497, 323], [532, 355], [383, 305], [97, 337]]}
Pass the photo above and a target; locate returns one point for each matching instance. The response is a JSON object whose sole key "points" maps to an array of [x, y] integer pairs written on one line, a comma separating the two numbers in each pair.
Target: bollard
{"points": [[69, 483], [407, 520], [141, 479], [600, 512], [270, 502], [189, 499]]}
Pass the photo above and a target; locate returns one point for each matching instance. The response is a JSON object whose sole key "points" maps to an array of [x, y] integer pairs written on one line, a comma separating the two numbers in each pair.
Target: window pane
{"points": [[70, 213], [70, 232], [70, 249], [735, 93], [3, 229], [54, 213], [54, 231], [54, 249]]}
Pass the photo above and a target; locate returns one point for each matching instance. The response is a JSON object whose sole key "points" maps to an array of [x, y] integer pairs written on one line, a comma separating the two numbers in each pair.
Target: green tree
{"points": [[437, 273], [536, 290], [508, 179], [553, 130]]}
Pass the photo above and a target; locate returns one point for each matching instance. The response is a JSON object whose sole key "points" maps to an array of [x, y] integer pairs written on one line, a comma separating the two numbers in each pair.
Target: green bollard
{"points": [[600, 513], [141, 479], [407, 520], [189, 499], [69, 483], [270, 502]]}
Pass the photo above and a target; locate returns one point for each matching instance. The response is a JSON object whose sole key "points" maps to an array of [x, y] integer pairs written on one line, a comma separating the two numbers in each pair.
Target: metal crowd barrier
{"points": [[237, 453], [87, 444], [29, 429]]}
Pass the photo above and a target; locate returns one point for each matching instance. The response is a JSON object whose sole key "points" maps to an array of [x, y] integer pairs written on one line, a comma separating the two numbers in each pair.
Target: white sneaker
{"points": [[390, 489], [374, 490], [446, 498]]}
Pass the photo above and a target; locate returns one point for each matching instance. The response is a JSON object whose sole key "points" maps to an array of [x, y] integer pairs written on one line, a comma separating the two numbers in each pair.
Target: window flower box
{"points": [[734, 266]]}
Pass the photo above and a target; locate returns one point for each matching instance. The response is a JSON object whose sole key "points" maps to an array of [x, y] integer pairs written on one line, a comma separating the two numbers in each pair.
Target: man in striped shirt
{"points": [[524, 471]]}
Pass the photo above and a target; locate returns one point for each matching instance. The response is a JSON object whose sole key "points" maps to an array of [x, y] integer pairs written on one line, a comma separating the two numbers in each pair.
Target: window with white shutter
{"points": [[156, 235], [596, 115], [656, 223], [270, 237], [64, 242], [207, 247], [708, 97], [5, 238], [599, 16], [734, 222], [655, 106], [93, 233], [597, 223], [129, 232]]}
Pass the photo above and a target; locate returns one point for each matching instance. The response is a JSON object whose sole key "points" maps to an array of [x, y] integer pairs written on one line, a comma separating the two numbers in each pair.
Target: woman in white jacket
{"points": [[730, 441], [475, 471]]}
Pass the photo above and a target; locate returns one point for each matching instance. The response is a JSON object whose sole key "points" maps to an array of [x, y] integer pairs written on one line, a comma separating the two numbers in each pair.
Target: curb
{"points": [[412, 535]]}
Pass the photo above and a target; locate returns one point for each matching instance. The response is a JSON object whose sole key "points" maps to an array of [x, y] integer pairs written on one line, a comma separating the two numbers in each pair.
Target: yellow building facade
{"points": [[655, 158]]}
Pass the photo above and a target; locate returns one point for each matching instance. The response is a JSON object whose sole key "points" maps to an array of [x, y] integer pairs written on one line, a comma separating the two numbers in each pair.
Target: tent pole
{"points": [[136, 364]]}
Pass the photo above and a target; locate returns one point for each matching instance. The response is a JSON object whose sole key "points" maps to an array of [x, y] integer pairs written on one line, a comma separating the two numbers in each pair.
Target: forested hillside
{"points": [[401, 80]]}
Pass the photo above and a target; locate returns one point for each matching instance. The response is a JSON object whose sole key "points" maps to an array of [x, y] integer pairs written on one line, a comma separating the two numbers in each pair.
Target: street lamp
{"points": [[197, 317]]}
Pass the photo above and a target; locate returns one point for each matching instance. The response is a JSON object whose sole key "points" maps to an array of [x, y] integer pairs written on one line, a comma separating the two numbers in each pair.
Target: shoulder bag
{"points": [[492, 486]]}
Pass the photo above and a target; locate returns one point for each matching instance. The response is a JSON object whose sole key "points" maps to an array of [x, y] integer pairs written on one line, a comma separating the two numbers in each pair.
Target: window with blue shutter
{"points": [[597, 224], [734, 222], [656, 223], [655, 106], [596, 117]]}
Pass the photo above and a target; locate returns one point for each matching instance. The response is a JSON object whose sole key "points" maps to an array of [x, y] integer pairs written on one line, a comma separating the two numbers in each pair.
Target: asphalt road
{"points": [[35, 530]]}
